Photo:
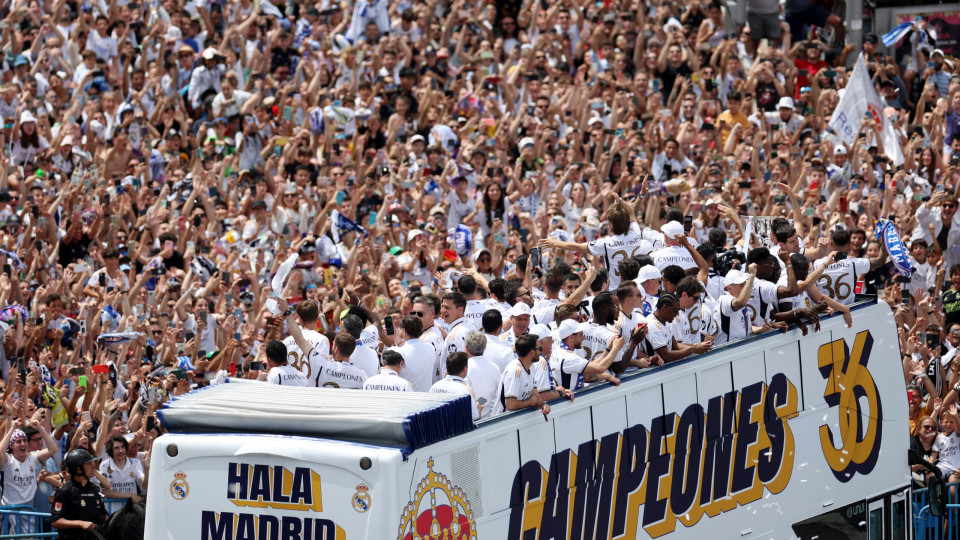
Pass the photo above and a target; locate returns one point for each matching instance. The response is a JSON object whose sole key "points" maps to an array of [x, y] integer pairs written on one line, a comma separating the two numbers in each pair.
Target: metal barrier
{"points": [[23, 521], [929, 527]]}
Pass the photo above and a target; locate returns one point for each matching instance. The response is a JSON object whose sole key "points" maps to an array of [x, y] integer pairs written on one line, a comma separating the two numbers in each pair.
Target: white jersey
{"points": [[567, 367], [418, 363], [627, 324], [336, 374], [596, 341], [542, 375], [287, 375], [366, 359], [451, 384], [301, 361], [659, 335], [123, 480], [615, 248], [498, 352], [434, 338], [673, 255], [388, 380], [689, 324], [20, 479], [731, 324], [475, 310], [483, 376], [456, 339], [516, 382], [840, 278], [763, 301], [544, 311]]}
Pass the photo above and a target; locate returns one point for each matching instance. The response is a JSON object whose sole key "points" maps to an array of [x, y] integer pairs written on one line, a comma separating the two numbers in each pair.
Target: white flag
{"points": [[860, 99]]}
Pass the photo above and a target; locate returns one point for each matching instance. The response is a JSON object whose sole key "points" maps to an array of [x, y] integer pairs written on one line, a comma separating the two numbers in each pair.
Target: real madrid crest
{"points": [[439, 509], [361, 499], [179, 488]]}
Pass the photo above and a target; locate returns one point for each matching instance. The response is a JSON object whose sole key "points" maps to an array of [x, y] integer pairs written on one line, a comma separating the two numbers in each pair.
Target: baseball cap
{"points": [[260, 203], [840, 150], [647, 273], [672, 229], [477, 253], [570, 327], [735, 277], [519, 309], [936, 52], [413, 234], [416, 138], [210, 53], [542, 331], [786, 102], [524, 142]]}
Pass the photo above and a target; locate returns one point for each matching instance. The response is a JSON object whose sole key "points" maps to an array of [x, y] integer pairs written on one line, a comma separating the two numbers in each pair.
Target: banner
{"points": [[896, 33], [859, 100], [341, 224], [886, 233], [462, 239]]}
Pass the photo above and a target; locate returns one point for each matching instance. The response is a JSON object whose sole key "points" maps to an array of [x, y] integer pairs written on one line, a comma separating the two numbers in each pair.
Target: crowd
{"points": [[510, 199]]}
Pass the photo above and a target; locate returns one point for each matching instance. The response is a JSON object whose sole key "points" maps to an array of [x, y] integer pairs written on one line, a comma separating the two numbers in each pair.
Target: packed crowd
{"points": [[508, 199]]}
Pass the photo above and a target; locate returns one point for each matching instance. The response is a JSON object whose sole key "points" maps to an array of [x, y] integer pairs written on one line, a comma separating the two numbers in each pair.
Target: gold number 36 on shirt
{"points": [[623, 253], [299, 363], [839, 290]]}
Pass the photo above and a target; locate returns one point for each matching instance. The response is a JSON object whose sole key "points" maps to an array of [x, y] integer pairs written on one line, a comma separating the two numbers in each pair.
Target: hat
{"points": [[609, 17], [542, 331], [27, 117], [672, 229], [171, 133], [210, 53], [408, 72], [312, 11], [786, 102], [569, 327], [519, 309], [477, 253], [396, 250], [416, 138], [185, 48], [20, 60], [524, 142], [289, 189], [936, 52], [413, 234], [437, 210], [66, 141], [259, 203], [840, 150], [647, 273], [734, 277], [429, 51], [443, 53], [595, 120]]}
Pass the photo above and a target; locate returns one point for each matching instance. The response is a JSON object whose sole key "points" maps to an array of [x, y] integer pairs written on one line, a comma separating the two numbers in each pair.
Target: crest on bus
{"points": [[855, 446], [179, 488], [439, 510]]}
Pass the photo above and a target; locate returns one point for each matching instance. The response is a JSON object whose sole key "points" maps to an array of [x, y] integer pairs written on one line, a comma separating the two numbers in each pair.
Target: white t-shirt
{"points": [[499, 353], [335, 374], [567, 368], [434, 338], [123, 480], [673, 255], [483, 376], [286, 375], [419, 361], [300, 361], [455, 341], [515, 382], [840, 278], [948, 447], [615, 248], [689, 324], [451, 384], [388, 380], [20, 479], [475, 310], [738, 321], [596, 340], [659, 335], [366, 359], [763, 302], [104, 47]]}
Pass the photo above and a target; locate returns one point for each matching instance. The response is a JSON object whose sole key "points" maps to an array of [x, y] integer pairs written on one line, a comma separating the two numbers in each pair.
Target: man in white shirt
{"points": [[660, 338], [517, 388], [336, 372], [572, 370], [467, 286], [424, 307], [418, 357], [451, 309], [766, 295], [205, 79], [648, 280], [731, 317], [549, 388], [674, 252], [519, 323], [308, 313], [840, 278], [454, 382], [363, 356], [20, 466], [389, 378], [496, 351], [482, 373], [281, 372]]}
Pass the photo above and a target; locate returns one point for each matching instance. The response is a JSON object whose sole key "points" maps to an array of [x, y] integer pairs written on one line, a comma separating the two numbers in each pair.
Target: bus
{"points": [[781, 435]]}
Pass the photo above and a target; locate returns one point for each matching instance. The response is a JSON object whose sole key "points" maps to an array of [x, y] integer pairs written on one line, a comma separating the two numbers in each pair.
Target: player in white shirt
{"points": [[573, 371], [549, 388], [731, 316], [674, 252], [483, 374], [599, 333], [766, 294], [20, 466], [308, 313], [418, 357], [624, 241], [519, 323], [632, 328], [496, 351], [840, 278], [454, 382], [648, 279], [424, 308], [810, 298], [517, 388], [660, 338], [336, 372], [451, 309], [281, 372], [475, 308], [389, 378]]}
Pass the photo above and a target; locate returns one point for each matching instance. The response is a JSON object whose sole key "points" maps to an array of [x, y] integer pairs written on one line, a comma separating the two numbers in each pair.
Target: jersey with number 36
{"points": [[840, 278], [303, 362]]}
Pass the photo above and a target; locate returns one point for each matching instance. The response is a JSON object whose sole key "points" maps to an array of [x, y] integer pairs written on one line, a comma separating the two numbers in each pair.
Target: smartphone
{"points": [[535, 257], [706, 192], [82, 380], [388, 325], [180, 374], [76, 371], [687, 224], [203, 315], [101, 368], [844, 206], [744, 185], [236, 336], [808, 211], [151, 423], [103, 279], [779, 199], [86, 417], [256, 366]]}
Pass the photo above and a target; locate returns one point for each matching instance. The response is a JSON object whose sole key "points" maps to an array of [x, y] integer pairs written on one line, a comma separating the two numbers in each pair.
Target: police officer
{"points": [[77, 505]]}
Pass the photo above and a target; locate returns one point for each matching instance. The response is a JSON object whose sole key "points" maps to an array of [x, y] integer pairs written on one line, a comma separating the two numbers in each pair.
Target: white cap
{"points": [[416, 138], [413, 234], [542, 331], [526, 141], [936, 52], [477, 253], [569, 327], [672, 229], [595, 120], [786, 102], [210, 53], [840, 149], [735, 277], [519, 309], [66, 141], [647, 273], [27, 116]]}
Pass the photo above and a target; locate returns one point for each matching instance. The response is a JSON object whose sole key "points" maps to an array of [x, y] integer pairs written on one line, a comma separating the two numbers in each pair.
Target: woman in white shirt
{"points": [[29, 143]]}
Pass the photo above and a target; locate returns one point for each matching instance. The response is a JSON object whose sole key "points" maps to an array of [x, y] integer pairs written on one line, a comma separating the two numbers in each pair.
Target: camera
{"points": [[726, 260]]}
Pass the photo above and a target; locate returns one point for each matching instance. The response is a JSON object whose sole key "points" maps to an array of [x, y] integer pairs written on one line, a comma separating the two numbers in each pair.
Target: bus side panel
{"points": [[745, 442]]}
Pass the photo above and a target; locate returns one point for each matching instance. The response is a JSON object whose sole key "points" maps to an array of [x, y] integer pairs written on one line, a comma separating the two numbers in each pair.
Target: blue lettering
{"points": [[237, 480], [214, 526], [260, 485], [269, 527], [743, 476]]}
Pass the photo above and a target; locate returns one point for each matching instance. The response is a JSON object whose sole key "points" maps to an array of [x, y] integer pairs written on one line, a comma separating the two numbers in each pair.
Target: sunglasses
{"points": [[417, 313], [948, 205]]}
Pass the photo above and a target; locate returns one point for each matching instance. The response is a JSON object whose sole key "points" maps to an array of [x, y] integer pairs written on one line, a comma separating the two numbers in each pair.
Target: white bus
{"points": [[777, 436]]}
